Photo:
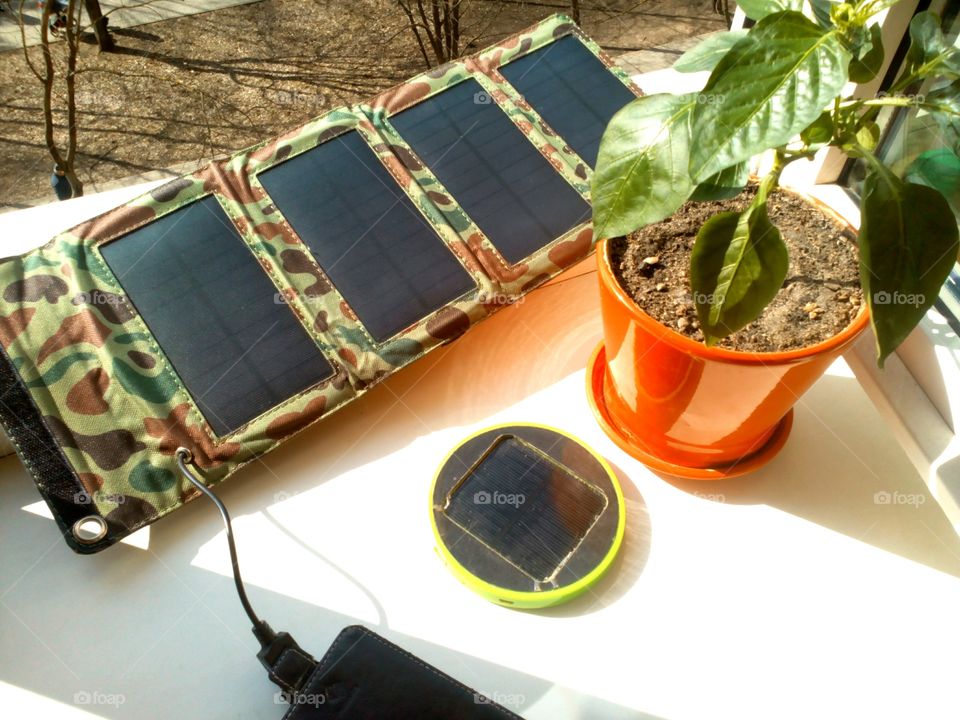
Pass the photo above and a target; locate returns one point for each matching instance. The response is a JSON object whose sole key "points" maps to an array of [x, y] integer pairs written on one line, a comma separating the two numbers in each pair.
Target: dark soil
{"points": [[819, 298]]}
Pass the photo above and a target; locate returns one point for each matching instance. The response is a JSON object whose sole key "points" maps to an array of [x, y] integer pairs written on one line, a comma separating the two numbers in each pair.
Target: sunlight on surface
{"points": [[839, 368], [18, 702]]}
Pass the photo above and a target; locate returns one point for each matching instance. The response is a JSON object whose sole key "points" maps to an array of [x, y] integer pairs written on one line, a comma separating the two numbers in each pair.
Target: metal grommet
{"points": [[90, 530], [185, 453]]}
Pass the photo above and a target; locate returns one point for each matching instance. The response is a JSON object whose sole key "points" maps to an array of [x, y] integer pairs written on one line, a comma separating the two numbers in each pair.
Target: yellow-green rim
{"points": [[518, 598]]}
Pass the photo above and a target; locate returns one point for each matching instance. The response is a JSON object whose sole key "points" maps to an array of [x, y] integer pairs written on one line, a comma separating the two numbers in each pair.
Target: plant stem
{"points": [[772, 178]]}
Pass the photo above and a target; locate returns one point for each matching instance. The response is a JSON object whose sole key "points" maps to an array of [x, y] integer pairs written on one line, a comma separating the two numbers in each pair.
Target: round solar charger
{"points": [[526, 515]]}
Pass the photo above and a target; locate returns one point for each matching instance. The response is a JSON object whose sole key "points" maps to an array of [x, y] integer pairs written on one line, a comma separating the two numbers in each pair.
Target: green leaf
{"points": [[641, 175], [738, 265], [940, 169], [707, 54], [928, 48], [821, 11], [943, 104], [769, 87], [868, 135], [869, 59], [908, 245], [759, 9], [724, 185], [926, 40], [819, 132]]}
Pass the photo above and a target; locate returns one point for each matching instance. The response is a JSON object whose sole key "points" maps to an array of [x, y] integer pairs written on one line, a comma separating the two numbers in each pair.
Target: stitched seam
{"points": [[280, 660]]}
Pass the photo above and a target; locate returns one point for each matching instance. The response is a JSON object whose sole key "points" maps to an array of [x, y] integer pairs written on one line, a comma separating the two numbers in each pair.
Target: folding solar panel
{"points": [[231, 308]]}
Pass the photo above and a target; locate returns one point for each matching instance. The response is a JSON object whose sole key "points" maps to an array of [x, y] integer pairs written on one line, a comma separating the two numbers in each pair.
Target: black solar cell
{"points": [[496, 174], [525, 506], [215, 314], [386, 260], [572, 90]]}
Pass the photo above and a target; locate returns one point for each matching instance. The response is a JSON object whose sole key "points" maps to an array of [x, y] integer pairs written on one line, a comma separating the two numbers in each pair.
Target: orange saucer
{"points": [[634, 446]]}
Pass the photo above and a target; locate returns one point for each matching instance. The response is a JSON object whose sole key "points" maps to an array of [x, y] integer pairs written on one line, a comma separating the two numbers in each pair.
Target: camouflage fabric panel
{"points": [[109, 395]]}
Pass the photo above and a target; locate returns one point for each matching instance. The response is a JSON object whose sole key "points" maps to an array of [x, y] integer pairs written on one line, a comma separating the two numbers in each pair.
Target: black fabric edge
{"points": [[43, 458]]}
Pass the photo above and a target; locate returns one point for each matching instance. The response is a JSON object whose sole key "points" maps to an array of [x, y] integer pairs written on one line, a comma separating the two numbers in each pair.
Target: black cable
{"points": [[260, 628], [287, 664]]}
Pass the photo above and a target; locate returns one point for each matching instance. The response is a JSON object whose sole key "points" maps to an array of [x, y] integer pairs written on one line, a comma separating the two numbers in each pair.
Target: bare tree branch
{"points": [[23, 41]]}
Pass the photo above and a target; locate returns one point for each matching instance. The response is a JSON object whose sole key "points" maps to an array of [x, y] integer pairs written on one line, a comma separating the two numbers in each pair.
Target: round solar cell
{"points": [[526, 515]]}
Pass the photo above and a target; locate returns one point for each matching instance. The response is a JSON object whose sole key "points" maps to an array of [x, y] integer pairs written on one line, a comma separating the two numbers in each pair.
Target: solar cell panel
{"points": [[238, 349], [525, 506], [495, 174], [379, 251], [572, 90]]}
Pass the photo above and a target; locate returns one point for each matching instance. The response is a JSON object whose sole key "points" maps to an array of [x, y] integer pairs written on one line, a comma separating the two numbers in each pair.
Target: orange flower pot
{"points": [[689, 410]]}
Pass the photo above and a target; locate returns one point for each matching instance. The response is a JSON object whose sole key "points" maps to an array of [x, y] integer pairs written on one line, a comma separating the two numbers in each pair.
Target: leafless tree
{"points": [[98, 21], [439, 27], [436, 25], [52, 72]]}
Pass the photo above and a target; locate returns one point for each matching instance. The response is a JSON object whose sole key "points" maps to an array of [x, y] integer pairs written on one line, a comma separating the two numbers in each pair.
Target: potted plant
{"points": [[708, 391]]}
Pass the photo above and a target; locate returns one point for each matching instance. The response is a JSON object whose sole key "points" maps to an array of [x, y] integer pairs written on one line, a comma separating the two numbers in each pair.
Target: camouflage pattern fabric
{"points": [[102, 386]]}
